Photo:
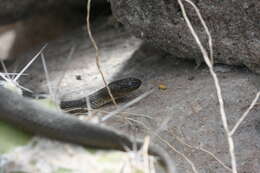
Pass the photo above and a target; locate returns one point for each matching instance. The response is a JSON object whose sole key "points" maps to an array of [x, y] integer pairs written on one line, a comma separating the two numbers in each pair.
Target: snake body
{"points": [[101, 97], [29, 116]]}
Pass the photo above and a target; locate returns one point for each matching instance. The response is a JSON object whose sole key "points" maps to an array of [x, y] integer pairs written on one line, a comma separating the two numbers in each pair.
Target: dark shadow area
{"points": [[149, 62], [37, 29]]}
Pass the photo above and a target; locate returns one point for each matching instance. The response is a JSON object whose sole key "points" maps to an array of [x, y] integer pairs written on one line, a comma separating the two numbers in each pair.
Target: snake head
{"points": [[124, 86]]}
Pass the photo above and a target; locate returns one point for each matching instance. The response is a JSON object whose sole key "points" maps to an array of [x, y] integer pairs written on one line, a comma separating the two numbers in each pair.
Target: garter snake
{"points": [[118, 88], [101, 97]]}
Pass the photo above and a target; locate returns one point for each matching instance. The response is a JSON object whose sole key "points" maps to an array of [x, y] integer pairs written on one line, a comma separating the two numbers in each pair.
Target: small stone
{"points": [[162, 87], [78, 77], [191, 77]]}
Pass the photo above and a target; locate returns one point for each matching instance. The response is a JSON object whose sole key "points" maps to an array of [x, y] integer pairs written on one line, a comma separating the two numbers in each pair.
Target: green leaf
{"points": [[11, 137]]}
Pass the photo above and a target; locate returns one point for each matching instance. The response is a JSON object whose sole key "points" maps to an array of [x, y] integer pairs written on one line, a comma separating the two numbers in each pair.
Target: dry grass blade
{"points": [[65, 67], [97, 53], [204, 150], [12, 82], [101, 111], [30, 62], [3, 76], [5, 69], [168, 144], [120, 109], [47, 77], [180, 153], [245, 113], [145, 154], [163, 125], [14, 74]]}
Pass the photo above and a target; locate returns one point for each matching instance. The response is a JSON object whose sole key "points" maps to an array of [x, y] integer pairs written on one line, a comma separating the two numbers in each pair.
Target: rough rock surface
{"points": [[234, 26]]}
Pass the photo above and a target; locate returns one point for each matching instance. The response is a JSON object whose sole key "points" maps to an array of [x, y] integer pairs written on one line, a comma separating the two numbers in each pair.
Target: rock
{"points": [[234, 26]]}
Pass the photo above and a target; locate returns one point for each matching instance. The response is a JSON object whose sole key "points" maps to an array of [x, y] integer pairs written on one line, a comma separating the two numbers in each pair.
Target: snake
{"points": [[30, 116], [118, 88]]}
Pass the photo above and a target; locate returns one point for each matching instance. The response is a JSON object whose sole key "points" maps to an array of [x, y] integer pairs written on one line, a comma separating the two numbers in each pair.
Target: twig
{"points": [[178, 152], [204, 150], [216, 82], [245, 114], [98, 110], [171, 146], [206, 30], [215, 157], [97, 53]]}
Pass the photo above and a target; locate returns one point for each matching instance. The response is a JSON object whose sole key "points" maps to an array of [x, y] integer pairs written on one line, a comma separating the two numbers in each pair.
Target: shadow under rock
{"points": [[148, 62]]}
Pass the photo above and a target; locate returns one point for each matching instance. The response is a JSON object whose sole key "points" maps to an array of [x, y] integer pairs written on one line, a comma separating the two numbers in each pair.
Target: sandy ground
{"points": [[187, 109]]}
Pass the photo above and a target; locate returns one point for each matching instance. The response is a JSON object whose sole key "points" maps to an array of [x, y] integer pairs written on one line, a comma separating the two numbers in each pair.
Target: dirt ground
{"points": [[187, 109]]}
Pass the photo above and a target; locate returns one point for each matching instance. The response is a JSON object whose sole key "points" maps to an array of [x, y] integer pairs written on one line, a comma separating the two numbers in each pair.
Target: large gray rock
{"points": [[234, 25]]}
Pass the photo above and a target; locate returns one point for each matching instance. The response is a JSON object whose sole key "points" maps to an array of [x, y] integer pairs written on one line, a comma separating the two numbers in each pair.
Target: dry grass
{"points": [[251, 106], [203, 150], [122, 108], [207, 58], [168, 144], [12, 83]]}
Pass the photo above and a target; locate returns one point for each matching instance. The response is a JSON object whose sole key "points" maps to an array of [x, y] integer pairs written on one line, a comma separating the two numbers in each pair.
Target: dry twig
{"points": [[216, 82], [204, 150], [254, 102], [120, 109], [168, 144], [97, 53]]}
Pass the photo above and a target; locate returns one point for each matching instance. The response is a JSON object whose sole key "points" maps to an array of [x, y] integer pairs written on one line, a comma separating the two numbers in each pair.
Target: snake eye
{"points": [[134, 83]]}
